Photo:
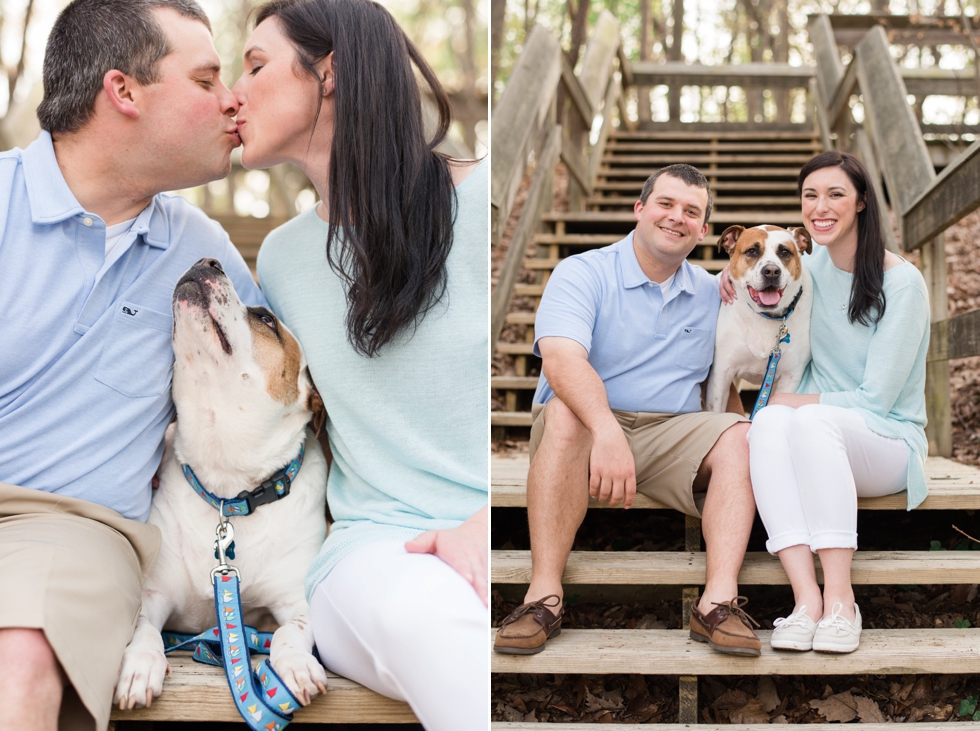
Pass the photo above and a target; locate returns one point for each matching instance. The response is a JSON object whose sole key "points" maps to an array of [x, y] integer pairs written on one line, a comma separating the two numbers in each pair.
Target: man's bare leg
{"points": [[729, 509], [557, 497], [31, 681]]}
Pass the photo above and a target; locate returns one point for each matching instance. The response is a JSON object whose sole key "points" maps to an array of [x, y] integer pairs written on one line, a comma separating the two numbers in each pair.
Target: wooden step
{"points": [[197, 692], [716, 188], [731, 215], [541, 264], [952, 486], [536, 290], [699, 135], [675, 568], [672, 652], [743, 202], [510, 418], [532, 726], [664, 146], [514, 383], [600, 239], [516, 348], [520, 318], [698, 159], [755, 172]]}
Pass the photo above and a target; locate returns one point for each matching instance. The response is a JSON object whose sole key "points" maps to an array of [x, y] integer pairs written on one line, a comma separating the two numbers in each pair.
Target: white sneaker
{"points": [[836, 634], [794, 632]]}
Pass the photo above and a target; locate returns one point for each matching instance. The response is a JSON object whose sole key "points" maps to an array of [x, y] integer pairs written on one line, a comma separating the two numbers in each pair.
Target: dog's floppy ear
{"points": [[803, 241], [728, 238], [315, 404]]}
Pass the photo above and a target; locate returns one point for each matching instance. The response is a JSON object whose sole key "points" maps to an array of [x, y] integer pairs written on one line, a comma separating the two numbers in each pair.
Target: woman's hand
{"points": [[464, 548], [726, 288]]}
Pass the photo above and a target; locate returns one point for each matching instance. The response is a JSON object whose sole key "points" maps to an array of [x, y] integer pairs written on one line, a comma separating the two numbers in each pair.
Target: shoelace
{"points": [[532, 607], [835, 619], [796, 619], [735, 607]]}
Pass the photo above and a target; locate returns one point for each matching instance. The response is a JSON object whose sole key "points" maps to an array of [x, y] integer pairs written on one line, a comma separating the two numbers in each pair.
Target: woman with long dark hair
{"points": [[385, 284], [855, 427]]}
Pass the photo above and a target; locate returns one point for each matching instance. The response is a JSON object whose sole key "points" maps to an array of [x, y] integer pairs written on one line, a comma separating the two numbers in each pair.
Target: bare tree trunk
{"points": [[579, 15], [755, 35], [14, 76], [675, 54], [497, 16], [781, 55], [643, 92]]}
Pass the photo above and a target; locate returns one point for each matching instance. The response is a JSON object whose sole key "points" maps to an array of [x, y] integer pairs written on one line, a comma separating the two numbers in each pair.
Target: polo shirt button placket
{"points": [[87, 221]]}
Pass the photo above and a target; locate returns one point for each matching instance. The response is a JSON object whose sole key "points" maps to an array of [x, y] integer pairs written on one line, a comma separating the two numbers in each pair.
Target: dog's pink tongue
{"points": [[769, 297]]}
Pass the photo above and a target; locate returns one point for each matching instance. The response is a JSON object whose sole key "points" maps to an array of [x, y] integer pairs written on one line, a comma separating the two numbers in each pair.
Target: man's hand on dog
{"points": [[464, 548], [726, 288], [612, 470]]}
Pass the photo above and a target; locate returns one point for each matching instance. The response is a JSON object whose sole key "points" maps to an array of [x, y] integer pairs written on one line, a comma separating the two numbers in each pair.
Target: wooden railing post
{"points": [[597, 65], [519, 114], [533, 204], [909, 172]]}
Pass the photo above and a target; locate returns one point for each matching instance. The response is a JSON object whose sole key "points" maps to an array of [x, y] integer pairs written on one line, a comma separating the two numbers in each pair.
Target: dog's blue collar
{"points": [[247, 501], [785, 315]]}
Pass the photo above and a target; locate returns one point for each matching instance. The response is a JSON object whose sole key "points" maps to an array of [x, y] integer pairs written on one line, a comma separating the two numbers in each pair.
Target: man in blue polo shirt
{"points": [[90, 252], [626, 336]]}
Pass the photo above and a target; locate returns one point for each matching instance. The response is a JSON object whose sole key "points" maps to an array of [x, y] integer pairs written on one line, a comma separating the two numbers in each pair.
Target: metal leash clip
{"points": [[783, 330], [225, 532]]}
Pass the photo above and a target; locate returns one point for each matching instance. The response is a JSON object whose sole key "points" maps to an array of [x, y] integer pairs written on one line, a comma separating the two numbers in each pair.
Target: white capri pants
{"points": [[810, 465], [409, 627]]}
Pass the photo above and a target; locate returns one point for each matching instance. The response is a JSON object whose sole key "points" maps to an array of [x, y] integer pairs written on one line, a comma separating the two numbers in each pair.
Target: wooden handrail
{"points": [[519, 114], [524, 231], [952, 195], [766, 75]]}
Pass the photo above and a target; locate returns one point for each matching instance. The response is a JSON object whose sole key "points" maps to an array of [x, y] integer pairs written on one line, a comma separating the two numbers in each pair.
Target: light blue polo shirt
{"points": [[651, 349], [85, 345]]}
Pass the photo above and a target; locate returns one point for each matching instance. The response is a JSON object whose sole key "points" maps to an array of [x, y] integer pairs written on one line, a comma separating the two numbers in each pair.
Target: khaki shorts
{"points": [[667, 449], [74, 570]]}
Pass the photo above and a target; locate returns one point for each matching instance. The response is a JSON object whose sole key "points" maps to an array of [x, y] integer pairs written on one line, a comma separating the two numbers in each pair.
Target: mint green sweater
{"points": [[409, 428], [879, 371]]}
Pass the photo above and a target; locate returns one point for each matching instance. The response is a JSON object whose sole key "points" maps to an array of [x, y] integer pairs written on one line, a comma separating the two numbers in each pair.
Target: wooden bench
{"points": [[197, 692]]}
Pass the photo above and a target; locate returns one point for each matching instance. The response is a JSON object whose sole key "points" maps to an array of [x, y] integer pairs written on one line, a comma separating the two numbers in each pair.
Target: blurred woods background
{"points": [[451, 34], [727, 32]]}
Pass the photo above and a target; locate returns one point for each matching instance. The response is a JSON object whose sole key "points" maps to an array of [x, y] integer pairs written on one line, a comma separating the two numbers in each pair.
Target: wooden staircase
{"points": [[752, 170], [753, 180]]}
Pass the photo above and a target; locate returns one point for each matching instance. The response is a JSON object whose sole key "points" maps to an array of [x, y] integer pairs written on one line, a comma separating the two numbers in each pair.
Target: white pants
{"points": [[409, 627], [809, 466]]}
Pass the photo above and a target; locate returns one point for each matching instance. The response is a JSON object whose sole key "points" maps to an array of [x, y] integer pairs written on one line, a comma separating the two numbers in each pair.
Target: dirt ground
{"points": [[738, 700]]}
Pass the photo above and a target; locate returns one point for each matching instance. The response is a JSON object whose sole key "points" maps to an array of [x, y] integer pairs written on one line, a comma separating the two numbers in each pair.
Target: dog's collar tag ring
{"points": [[224, 547], [766, 390]]}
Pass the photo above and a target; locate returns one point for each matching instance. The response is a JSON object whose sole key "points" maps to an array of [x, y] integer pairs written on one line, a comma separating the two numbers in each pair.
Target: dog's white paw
{"points": [[302, 674], [140, 678]]}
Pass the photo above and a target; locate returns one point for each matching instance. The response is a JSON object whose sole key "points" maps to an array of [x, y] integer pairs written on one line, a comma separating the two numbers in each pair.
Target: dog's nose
{"points": [[770, 271], [213, 263]]}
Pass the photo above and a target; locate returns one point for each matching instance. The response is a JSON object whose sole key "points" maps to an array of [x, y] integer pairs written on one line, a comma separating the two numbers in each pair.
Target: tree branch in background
{"points": [[497, 18]]}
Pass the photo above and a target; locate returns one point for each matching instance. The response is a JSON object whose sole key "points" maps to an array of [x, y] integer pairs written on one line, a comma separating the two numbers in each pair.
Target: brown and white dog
{"points": [[771, 281], [244, 397]]}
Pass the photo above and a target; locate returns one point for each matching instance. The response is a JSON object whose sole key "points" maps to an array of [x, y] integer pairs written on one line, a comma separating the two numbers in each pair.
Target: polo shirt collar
{"points": [[52, 201], [633, 275], [50, 197]]}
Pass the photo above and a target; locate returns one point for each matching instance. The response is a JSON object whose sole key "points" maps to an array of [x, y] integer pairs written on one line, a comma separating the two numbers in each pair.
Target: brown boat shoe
{"points": [[525, 630], [727, 628]]}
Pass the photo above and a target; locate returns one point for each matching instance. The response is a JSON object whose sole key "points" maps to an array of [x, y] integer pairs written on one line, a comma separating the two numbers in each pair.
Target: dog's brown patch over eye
{"points": [[277, 353], [752, 239]]}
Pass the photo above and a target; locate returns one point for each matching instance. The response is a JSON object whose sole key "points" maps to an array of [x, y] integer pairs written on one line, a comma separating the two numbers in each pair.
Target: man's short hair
{"points": [[686, 173], [91, 37]]}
